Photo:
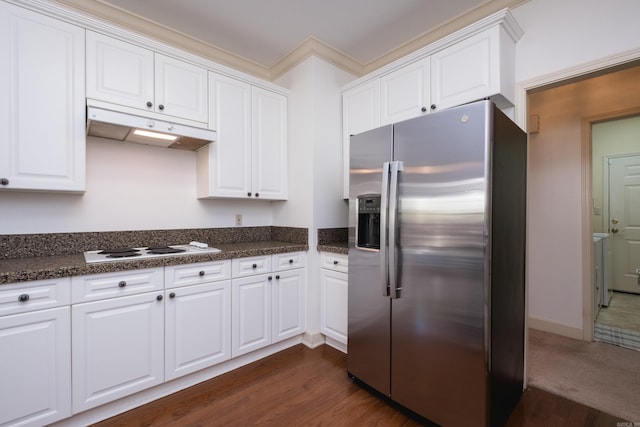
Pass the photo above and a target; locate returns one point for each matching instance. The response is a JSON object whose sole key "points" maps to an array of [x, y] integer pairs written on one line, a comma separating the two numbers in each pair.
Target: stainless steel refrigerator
{"points": [[437, 264]]}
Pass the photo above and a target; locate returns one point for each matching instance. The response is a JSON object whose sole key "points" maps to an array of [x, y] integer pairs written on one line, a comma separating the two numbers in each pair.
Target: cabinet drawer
{"points": [[242, 267], [35, 295], [108, 285], [335, 262], [200, 272], [287, 261]]}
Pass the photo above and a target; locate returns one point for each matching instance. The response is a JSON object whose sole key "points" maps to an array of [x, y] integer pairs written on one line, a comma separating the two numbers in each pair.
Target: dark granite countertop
{"points": [[336, 248]]}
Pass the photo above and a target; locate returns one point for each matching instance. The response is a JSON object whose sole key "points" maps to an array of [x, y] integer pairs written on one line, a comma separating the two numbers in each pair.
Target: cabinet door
{"points": [[288, 304], [42, 105], [251, 314], [453, 84], [181, 89], [405, 92], [119, 72], [269, 145], [197, 327], [360, 112], [224, 167], [35, 368], [118, 348], [333, 304]]}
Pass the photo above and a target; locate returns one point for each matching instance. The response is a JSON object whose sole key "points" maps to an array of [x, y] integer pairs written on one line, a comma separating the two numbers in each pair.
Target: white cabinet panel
{"points": [[42, 103], [405, 93], [119, 72], [249, 157], [35, 368], [118, 348], [109, 285], [249, 266], [479, 67], [288, 295], [34, 295], [197, 273], [124, 74], [336, 262], [251, 314], [197, 327], [334, 297]]}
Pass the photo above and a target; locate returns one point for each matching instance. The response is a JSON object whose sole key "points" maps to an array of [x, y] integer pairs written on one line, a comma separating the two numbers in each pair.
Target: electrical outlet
{"points": [[238, 220]]}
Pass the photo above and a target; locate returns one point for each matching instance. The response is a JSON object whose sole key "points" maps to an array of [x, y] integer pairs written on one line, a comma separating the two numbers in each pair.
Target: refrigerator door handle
{"points": [[396, 167], [384, 197]]}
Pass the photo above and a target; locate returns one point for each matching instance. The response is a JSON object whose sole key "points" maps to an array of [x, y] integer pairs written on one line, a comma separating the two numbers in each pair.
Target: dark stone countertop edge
{"points": [[17, 270], [336, 248]]}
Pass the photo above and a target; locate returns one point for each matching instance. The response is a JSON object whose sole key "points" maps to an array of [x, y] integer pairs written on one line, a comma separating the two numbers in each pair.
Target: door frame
{"points": [[521, 116]]}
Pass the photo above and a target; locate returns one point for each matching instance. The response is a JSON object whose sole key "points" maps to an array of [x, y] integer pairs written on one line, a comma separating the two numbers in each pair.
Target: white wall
{"points": [[129, 187], [315, 162], [560, 36]]}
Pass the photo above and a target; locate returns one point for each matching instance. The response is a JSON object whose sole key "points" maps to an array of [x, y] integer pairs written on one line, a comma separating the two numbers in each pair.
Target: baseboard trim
{"points": [[336, 344], [312, 340], [555, 328]]}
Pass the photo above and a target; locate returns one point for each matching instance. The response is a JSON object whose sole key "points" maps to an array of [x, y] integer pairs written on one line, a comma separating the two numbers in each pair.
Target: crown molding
{"points": [[313, 46], [99, 9]]}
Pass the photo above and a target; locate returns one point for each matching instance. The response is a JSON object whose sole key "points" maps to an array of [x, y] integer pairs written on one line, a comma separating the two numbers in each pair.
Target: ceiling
{"points": [[264, 32]]}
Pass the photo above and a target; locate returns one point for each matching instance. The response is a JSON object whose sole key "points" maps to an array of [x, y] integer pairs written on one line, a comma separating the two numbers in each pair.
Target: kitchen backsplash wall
{"points": [[129, 187], [30, 245]]}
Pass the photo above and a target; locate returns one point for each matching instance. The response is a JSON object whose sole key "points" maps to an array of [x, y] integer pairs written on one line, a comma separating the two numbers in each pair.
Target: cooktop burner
{"points": [[122, 254]]}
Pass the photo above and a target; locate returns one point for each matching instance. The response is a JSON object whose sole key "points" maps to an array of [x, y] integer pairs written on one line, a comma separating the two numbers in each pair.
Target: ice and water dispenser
{"points": [[368, 231]]}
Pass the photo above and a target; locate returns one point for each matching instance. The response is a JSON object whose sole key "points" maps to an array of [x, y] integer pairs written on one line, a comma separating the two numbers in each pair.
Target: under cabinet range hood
{"points": [[105, 123]]}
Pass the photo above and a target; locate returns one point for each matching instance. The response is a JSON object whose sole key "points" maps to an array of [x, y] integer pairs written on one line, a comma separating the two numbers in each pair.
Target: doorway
{"points": [[560, 283], [616, 225]]}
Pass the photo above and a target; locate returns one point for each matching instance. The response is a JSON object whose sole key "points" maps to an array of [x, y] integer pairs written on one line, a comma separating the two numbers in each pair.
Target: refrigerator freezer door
{"points": [[438, 354], [368, 356]]}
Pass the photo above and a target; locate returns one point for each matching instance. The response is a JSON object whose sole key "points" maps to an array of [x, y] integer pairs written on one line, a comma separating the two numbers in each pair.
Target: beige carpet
{"points": [[603, 376]]}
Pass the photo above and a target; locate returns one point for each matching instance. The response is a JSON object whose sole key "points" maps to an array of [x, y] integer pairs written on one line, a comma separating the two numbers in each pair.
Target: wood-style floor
{"points": [[304, 387]]}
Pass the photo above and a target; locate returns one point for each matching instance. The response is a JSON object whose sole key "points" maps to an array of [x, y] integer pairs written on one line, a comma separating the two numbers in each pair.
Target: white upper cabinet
{"points": [[42, 106], [249, 157], [405, 92], [131, 76], [481, 66]]}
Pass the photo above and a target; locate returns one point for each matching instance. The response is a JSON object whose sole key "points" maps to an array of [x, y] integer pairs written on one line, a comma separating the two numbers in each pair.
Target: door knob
{"points": [[614, 221], [614, 230]]}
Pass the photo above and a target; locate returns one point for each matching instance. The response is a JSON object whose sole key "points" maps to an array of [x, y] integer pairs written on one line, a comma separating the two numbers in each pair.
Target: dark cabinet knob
{"points": [[277, 276], [290, 261], [254, 266], [249, 194], [149, 104], [172, 295], [335, 262], [257, 194], [4, 181], [201, 273], [159, 297], [269, 278], [161, 107], [424, 109], [23, 298], [433, 106], [122, 284]]}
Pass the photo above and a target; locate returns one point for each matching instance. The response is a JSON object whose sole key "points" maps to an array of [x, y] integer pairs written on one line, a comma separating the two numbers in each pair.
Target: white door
{"points": [[624, 222], [333, 302], [269, 145], [288, 304], [35, 372], [181, 89], [405, 92], [42, 102], [197, 327], [119, 72], [118, 348], [251, 313]]}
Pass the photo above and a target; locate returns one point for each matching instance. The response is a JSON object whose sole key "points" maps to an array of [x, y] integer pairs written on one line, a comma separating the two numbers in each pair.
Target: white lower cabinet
{"points": [[334, 297], [35, 351], [268, 307], [197, 317], [118, 348]]}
